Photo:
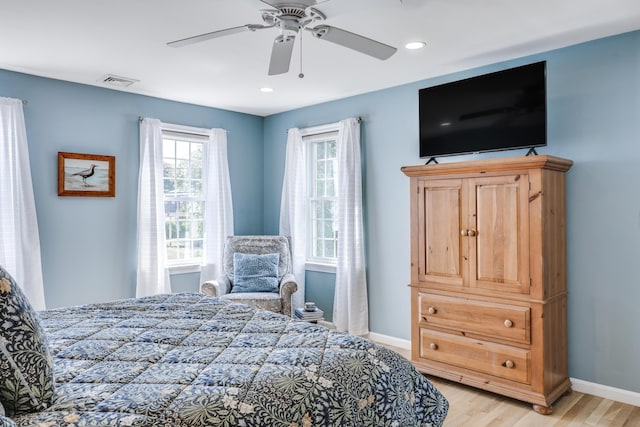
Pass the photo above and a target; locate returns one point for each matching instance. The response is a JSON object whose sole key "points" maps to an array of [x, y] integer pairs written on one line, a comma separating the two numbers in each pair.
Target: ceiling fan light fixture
{"points": [[415, 45]]}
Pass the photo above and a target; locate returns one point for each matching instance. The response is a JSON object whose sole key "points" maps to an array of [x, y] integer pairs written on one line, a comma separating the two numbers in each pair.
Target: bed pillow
{"points": [[26, 377], [255, 273]]}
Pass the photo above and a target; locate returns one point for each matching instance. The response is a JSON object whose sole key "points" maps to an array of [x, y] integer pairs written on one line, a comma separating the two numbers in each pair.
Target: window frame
{"points": [[190, 135], [310, 136]]}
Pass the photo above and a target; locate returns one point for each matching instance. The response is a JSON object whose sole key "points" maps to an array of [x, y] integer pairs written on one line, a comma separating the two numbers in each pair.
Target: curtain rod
{"points": [[140, 119], [359, 119]]}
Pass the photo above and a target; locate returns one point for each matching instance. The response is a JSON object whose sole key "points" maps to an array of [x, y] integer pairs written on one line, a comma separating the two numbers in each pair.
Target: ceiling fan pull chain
{"points": [[301, 75]]}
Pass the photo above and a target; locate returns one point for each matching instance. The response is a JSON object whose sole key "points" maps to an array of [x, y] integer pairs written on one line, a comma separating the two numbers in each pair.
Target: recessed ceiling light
{"points": [[415, 45], [266, 89]]}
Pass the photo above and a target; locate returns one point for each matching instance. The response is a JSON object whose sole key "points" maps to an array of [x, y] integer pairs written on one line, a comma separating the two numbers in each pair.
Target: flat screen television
{"points": [[497, 111]]}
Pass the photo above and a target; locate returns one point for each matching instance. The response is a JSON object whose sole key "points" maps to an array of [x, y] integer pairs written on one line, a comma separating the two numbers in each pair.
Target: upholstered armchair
{"points": [[254, 274]]}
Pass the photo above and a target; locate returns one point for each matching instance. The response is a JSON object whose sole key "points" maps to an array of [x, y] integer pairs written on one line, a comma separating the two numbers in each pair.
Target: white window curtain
{"points": [[153, 273], [293, 209], [218, 205], [350, 306], [19, 237], [152, 270]]}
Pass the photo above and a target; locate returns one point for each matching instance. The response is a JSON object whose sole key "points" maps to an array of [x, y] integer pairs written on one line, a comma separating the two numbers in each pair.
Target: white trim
{"points": [[185, 129], [605, 391], [314, 137], [580, 386], [329, 127], [393, 341], [321, 267], [184, 268]]}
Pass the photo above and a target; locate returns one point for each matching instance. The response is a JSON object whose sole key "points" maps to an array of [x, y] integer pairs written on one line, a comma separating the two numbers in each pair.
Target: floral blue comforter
{"points": [[193, 360]]}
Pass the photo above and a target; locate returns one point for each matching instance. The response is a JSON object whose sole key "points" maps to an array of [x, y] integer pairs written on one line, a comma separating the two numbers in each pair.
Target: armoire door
{"points": [[441, 249], [498, 233]]}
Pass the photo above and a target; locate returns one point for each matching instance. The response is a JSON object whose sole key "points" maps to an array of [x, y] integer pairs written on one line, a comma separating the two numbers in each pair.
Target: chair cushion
{"points": [[265, 300], [255, 273], [26, 377]]}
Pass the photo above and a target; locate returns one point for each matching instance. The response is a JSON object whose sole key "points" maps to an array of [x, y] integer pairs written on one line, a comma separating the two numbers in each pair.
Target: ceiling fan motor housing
{"points": [[290, 18]]}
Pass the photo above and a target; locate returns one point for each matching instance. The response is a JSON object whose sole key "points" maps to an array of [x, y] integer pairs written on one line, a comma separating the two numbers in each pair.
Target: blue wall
{"points": [[594, 119], [88, 245]]}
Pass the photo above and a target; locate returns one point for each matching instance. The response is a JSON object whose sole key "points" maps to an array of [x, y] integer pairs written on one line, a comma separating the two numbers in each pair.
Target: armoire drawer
{"points": [[498, 321], [495, 359]]}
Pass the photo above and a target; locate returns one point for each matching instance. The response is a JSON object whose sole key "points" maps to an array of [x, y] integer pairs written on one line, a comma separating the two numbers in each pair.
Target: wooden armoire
{"points": [[488, 275]]}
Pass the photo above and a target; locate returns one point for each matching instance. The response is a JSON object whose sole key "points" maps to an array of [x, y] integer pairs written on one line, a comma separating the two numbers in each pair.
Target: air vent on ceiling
{"points": [[113, 80]]}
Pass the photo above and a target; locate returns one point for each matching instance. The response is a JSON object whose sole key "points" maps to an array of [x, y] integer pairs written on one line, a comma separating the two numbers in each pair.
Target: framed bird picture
{"points": [[86, 175]]}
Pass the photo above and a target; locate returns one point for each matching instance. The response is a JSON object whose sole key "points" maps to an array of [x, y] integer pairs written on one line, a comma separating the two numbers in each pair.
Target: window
{"points": [[184, 197], [322, 198]]}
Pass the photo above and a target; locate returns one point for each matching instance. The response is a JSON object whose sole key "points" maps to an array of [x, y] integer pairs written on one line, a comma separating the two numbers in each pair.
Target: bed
{"points": [[195, 360]]}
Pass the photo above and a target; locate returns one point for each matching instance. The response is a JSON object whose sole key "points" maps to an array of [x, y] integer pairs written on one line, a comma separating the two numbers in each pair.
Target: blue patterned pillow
{"points": [[255, 273], [26, 377]]}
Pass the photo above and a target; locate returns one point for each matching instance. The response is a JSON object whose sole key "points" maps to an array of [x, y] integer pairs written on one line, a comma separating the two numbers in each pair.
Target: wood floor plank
{"points": [[623, 415], [595, 418], [470, 407], [531, 418], [633, 420], [578, 412]]}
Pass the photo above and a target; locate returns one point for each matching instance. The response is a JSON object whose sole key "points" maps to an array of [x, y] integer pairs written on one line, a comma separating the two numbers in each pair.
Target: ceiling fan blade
{"points": [[281, 54], [354, 41], [211, 35]]}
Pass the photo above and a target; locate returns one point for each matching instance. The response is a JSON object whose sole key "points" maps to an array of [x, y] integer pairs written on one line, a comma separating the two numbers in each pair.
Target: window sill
{"points": [[184, 269], [320, 267]]}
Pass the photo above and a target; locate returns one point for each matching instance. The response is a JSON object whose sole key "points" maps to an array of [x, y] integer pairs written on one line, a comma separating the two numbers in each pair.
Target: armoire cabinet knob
{"points": [[432, 310], [508, 323], [433, 346], [471, 232], [509, 364]]}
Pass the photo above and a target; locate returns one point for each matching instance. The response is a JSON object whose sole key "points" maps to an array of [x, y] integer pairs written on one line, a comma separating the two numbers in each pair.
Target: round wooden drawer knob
{"points": [[433, 346], [432, 310], [509, 364], [508, 323]]}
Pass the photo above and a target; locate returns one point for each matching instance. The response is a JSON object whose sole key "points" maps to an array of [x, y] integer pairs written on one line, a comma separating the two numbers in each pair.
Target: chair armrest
{"points": [[288, 286], [217, 287]]}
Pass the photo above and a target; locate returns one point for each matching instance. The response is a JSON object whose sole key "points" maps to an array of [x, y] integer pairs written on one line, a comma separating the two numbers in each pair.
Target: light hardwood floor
{"points": [[469, 407]]}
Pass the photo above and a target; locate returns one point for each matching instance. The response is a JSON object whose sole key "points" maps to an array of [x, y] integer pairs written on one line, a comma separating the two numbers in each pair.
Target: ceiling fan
{"points": [[290, 17]]}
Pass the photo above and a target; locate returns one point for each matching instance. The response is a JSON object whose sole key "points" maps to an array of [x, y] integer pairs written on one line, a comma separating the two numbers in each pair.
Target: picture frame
{"points": [[86, 175]]}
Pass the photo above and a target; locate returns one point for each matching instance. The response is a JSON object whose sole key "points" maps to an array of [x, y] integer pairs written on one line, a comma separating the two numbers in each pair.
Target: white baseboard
{"points": [[581, 386], [386, 339], [611, 393]]}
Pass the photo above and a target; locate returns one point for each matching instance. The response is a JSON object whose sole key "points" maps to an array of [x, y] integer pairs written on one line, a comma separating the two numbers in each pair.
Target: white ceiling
{"points": [[82, 40]]}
